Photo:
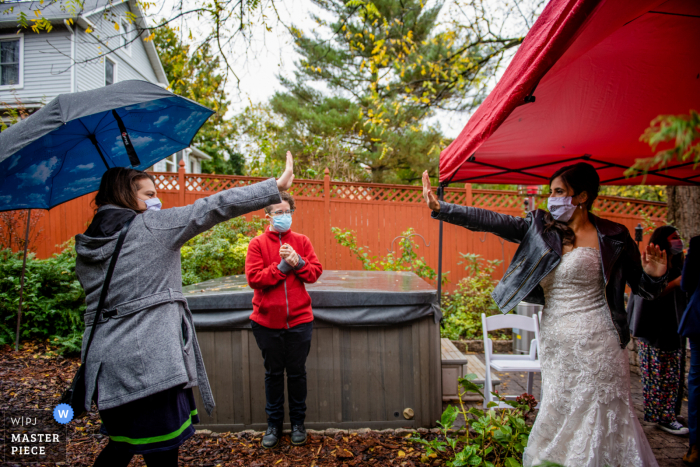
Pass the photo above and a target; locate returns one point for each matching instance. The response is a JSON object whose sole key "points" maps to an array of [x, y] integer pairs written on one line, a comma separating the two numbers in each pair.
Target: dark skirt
{"points": [[158, 422]]}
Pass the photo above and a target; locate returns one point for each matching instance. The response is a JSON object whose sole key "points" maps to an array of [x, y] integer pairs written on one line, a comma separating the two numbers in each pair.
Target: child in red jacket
{"points": [[278, 264]]}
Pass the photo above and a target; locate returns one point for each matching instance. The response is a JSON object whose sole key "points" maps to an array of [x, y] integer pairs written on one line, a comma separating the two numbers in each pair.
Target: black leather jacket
{"points": [[540, 252]]}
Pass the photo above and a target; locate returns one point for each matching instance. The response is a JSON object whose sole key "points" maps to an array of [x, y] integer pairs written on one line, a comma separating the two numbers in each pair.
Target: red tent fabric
{"points": [[598, 71]]}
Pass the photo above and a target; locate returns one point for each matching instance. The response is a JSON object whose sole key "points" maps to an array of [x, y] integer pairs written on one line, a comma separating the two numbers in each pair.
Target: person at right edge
{"points": [[655, 325], [690, 283], [278, 265]]}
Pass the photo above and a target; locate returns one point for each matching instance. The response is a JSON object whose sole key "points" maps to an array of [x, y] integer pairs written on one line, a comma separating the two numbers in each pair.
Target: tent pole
{"points": [[21, 281], [441, 197]]}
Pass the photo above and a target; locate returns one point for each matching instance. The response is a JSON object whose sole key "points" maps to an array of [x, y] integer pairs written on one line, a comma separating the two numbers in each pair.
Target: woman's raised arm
{"points": [[509, 228], [173, 227]]}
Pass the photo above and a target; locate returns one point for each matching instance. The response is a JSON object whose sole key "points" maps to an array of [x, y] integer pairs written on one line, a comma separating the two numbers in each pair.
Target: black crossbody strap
{"points": [[105, 285]]}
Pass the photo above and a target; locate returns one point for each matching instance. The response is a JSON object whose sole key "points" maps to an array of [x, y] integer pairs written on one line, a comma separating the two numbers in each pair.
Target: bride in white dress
{"points": [[587, 417], [577, 265]]}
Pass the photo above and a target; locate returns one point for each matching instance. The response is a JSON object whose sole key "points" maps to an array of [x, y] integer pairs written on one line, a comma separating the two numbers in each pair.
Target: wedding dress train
{"points": [[586, 416]]}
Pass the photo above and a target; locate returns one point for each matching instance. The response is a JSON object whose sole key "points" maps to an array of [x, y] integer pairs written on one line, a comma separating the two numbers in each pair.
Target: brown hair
{"points": [[285, 197], [119, 186], [578, 177]]}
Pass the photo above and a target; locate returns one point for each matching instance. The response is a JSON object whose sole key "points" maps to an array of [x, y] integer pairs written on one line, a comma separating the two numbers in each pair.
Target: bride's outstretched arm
{"points": [[510, 228]]}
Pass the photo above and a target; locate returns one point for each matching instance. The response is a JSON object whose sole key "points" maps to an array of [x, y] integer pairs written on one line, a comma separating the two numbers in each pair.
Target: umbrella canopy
{"points": [[60, 152], [584, 85]]}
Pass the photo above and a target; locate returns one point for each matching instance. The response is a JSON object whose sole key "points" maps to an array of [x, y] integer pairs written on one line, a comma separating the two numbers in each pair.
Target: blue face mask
{"points": [[282, 223]]}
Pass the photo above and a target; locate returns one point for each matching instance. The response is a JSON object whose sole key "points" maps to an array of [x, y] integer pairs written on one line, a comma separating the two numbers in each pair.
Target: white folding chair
{"points": [[507, 362]]}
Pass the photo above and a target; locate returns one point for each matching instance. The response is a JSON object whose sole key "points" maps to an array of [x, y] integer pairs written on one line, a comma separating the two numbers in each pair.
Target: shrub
{"points": [[220, 251], [462, 309], [53, 303], [490, 438], [408, 260]]}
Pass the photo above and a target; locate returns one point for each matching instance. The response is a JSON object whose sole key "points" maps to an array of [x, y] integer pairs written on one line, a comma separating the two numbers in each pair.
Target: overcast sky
{"points": [[271, 53]]}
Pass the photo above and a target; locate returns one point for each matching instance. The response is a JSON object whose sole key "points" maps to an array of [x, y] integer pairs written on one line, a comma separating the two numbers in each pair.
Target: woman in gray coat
{"points": [[144, 358]]}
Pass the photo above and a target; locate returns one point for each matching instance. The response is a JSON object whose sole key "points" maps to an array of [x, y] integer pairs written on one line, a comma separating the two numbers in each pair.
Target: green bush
{"points": [[490, 439], [408, 260], [53, 303], [54, 300], [462, 309], [220, 251]]}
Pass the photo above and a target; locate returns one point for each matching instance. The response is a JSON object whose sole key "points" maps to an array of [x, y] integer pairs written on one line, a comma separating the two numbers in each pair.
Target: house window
{"points": [[171, 163], [110, 72], [127, 35], [10, 62]]}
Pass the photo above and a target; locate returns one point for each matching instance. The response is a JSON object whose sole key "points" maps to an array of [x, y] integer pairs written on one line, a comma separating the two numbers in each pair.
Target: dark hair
{"points": [[660, 237], [119, 186], [579, 178], [285, 197]]}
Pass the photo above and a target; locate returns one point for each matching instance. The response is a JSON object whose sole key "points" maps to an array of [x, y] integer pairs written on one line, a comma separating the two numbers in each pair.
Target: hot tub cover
{"points": [[346, 298]]}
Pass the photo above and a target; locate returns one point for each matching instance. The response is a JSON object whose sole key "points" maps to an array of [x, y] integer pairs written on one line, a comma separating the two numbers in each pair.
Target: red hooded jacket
{"points": [[280, 299]]}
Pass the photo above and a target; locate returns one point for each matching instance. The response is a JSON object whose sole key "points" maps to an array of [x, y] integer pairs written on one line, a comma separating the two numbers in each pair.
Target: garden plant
{"points": [[490, 438]]}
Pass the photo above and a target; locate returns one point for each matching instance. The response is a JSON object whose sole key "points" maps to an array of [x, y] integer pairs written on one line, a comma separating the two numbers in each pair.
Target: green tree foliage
{"points": [[371, 76], [197, 74], [645, 192], [681, 130]]}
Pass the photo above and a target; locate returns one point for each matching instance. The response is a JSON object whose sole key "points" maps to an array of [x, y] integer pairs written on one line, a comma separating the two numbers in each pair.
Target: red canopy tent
{"points": [[586, 82], [584, 85]]}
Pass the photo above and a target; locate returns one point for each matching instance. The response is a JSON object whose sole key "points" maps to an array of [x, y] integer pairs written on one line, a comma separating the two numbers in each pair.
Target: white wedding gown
{"points": [[586, 417]]}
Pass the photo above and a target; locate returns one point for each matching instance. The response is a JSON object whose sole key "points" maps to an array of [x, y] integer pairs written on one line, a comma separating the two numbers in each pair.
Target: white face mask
{"points": [[676, 246], [152, 204], [561, 208]]}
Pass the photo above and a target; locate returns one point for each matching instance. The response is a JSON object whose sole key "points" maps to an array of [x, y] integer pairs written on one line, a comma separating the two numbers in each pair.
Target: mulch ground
{"points": [[33, 378]]}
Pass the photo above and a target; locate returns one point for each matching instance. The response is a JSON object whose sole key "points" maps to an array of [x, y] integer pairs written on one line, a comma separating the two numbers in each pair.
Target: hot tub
{"points": [[374, 359]]}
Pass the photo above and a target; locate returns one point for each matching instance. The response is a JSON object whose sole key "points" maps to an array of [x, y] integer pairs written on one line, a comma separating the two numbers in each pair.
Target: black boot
{"points": [[272, 437], [298, 435]]}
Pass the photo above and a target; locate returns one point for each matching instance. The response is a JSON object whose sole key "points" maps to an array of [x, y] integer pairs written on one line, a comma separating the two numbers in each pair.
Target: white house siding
{"points": [[98, 43], [46, 67]]}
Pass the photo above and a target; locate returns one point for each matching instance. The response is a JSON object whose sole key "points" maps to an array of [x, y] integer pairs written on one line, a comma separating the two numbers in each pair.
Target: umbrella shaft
{"points": [[21, 281]]}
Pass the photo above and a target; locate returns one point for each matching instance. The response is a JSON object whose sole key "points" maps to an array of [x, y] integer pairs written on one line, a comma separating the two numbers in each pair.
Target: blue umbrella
{"points": [[60, 152]]}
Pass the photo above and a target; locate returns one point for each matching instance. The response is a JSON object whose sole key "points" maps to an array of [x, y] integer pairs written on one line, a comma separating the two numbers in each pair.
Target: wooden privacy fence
{"points": [[377, 213]]}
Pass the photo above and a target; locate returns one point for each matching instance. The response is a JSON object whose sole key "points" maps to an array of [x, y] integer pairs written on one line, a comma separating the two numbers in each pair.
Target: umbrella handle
{"points": [[21, 282]]}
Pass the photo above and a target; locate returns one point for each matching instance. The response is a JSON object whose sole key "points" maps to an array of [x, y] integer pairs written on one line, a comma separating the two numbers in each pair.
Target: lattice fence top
{"points": [[370, 192], [166, 181], [630, 207], [492, 199]]}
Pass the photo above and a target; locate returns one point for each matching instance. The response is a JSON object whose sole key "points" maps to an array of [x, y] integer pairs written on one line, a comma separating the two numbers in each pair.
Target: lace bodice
{"points": [[586, 418], [576, 288]]}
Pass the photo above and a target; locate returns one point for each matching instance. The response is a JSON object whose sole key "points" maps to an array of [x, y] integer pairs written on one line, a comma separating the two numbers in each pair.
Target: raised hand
{"points": [[654, 261], [284, 183], [428, 194]]}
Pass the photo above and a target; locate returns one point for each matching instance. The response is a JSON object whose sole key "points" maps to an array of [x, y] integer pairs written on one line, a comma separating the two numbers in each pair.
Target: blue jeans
{"points": [[284, 349], [694, 389]]}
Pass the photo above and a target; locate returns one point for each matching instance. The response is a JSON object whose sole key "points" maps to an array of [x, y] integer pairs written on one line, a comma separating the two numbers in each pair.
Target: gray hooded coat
{"points": [[146, 343]]}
